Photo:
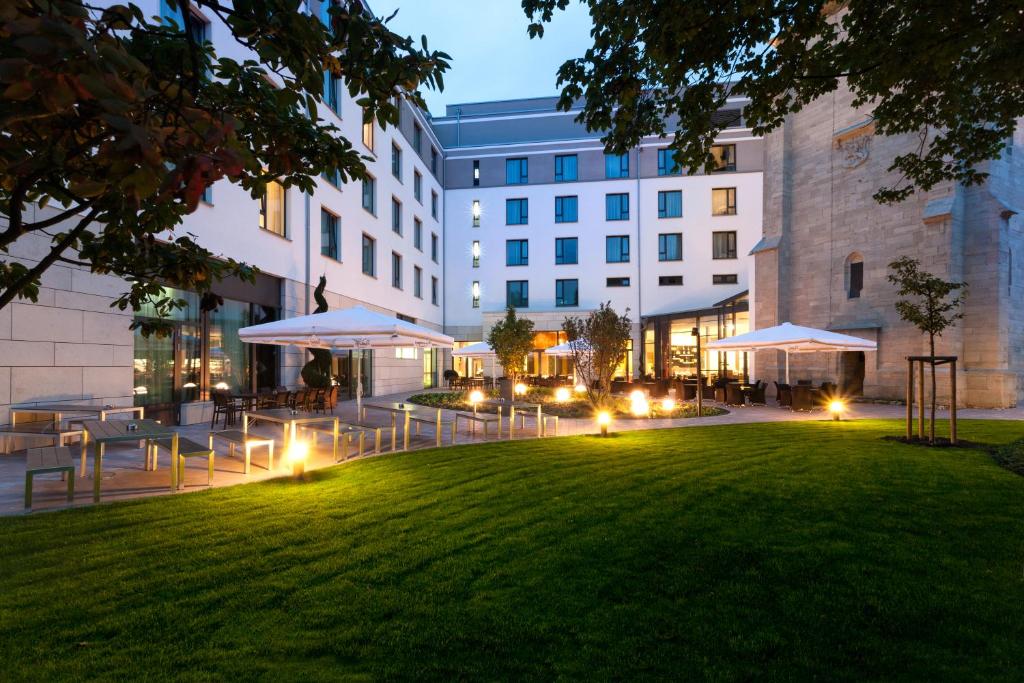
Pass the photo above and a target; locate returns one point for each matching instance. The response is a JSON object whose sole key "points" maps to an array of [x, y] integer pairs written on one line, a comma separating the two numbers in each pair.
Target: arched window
{"points": [[854, 275]]}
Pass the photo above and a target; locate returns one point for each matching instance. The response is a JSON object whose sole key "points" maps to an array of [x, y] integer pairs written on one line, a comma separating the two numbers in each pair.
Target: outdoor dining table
{"points": [[512, 405], [406, 409], [102, 432], [59, 410], [289, 419]]}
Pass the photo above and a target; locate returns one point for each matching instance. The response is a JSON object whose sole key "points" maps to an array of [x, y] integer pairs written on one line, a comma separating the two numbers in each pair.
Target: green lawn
{"points": [[787, 550]]}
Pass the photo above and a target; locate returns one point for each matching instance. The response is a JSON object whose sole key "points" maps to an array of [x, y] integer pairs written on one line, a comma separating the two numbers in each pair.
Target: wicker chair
{"points": [[756, 393], [734, 394], [784, 394]]}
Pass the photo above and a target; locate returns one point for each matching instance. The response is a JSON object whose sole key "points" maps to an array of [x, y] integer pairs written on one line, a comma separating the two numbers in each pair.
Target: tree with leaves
{"points": [[512, 340], [937, 307], [114, 124], [598, 343], [948, 72], [317, 372]]}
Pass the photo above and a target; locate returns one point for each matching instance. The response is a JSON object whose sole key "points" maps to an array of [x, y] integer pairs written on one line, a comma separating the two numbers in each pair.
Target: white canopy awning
{"points": [[565, 349], [792, 339], [477, 350], [347, 328]]}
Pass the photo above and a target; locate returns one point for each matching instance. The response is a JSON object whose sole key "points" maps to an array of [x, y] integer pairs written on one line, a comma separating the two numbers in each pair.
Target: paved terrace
{"points": [[124, 476]]}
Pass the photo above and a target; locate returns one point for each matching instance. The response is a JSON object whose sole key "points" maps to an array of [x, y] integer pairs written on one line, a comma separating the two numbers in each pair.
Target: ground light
{"points": [[668, 404], [604, 419], [521, 389], [580, 388], [475, 397], [836, 407], [298, 451], [561, 394]]}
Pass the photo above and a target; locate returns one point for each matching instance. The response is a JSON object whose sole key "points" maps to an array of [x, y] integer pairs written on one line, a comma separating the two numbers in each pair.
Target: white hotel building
{"points": [[404, 245]]}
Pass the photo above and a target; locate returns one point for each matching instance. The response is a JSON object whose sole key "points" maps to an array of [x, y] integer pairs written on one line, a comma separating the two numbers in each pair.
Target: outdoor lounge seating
{"points": [[45, 461], [248, 441]]}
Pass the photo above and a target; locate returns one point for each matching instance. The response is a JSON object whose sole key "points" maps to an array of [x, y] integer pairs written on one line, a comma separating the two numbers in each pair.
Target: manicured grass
{"points": [[789, 551]]}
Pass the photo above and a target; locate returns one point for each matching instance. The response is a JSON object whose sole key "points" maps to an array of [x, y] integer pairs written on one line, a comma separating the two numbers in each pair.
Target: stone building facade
{"points": [[820, 220]]}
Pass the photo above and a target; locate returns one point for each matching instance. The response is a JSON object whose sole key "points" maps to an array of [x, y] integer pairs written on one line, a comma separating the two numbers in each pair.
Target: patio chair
{"points": [[223, 406], [805, 397], [784, 394], [733, 394], [756, 393]]}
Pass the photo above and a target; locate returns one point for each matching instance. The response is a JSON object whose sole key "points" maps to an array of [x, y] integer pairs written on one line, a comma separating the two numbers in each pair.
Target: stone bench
{"points": [[45, 461]]}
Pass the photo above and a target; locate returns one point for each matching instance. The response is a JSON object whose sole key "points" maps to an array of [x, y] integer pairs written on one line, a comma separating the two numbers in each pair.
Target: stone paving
{"points": [[124, 476]]}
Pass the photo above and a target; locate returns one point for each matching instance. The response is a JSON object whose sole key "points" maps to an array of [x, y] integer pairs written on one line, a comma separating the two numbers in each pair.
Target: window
{"points": [[566, 250], [396, 161], [417, 282], [670, 204], [667, 164], [670, 246], [433, 204], [208, 193], [731, 279], [617, 249], [517, 293], [516, 171], [617, 282], [476, 294], [517, 212], [370, 195], [433, 160], [723, 245], [476, 213], [332, 92], [616, 165], [476, 173], [566, 209], [616, 207], [433, 247], [369, 256], [272, 208], [417, 233], [476, 253], [670, 281], [396, 216], [330, 227], [367, 133], [567, 292], [724, 156], [417, 138], [565, 168], [417, 186], [406, 352], [723, 201], [332, 176], [433, 290], [854, 275], [517, 253], [396, 270]]}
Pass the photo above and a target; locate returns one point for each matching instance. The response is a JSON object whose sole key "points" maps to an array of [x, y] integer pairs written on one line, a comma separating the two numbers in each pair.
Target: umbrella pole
{"points": [[787, 366], [359, 386]]}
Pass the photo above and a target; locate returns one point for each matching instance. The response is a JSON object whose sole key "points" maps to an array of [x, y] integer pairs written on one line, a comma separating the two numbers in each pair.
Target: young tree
{"points": [[512, 340], [947, 71], [114, 124], [598, 343], [934, 310]]}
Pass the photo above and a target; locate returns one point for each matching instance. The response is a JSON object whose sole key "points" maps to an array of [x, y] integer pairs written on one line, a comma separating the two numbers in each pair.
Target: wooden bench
{"points": [[47, 460], [187, 448], [248, 441], [544, 418], [42, 429], [433, 422], [473, 418]]}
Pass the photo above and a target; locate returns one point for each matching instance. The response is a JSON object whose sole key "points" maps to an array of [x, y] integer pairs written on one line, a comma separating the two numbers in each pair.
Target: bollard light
{"points": [[298, 451], [668, 404], [640, 407], [836, 407], [580, 388], [520, 389], [637, 395], [476, 396], [561, 394], [604, 419]]}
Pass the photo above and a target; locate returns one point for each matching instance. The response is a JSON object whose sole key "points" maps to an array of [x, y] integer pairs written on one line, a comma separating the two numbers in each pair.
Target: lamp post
{"points": [[700, 378]]}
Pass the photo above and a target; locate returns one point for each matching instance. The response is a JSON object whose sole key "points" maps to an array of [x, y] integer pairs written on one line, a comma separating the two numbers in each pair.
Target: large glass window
{"points": [[567, 292], [272, 209], [670, 246], [723, 201], [229, 355], [330, 234], [566, 250], [517, 212], [565, 168], [670, 204], [724, 157], [566, 209], [517, 293], [723, 244], [616, 165], [516, 171], [617, 249], [667, 164], [517, 253], [616, 207], [346, 366]]}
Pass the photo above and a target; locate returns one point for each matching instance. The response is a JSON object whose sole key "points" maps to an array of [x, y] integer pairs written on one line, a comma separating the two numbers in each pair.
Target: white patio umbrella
{"points": [[565, 349], [481, 350], [792, 339], [346, 328]]}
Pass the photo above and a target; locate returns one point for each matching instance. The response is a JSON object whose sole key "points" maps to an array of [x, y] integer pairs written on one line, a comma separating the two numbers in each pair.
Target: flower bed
{"points": [[574, 407]]}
